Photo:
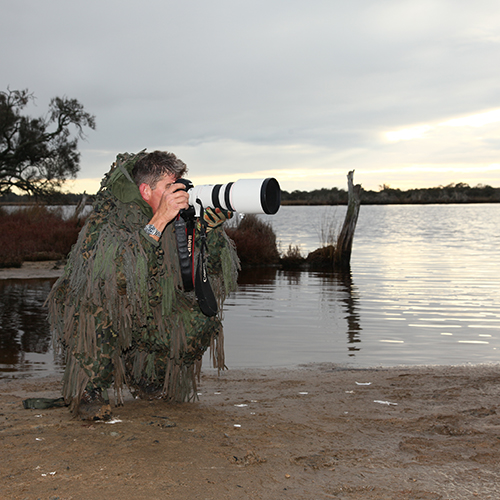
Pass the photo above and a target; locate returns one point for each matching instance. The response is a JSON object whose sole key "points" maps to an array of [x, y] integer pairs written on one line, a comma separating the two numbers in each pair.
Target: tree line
{"points": [[452, 193]]}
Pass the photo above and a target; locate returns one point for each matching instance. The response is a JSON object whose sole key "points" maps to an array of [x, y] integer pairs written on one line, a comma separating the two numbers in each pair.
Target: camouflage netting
{"points": [[119, 311]]}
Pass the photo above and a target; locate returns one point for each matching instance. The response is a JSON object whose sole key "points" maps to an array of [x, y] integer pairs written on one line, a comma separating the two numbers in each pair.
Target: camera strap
{"points": [[184, 232], [203, 289]]}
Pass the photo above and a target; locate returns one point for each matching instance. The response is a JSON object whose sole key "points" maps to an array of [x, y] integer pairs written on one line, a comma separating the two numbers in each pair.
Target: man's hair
{"points": [[151, 167]]}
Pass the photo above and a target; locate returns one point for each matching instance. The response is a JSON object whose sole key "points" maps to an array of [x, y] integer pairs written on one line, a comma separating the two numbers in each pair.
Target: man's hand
{"points": [[214, 218], [173, 199]]}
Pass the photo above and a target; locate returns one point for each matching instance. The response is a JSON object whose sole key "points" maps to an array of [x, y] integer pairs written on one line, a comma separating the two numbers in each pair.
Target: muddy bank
{"points": [[314, 432], [33, 270]]}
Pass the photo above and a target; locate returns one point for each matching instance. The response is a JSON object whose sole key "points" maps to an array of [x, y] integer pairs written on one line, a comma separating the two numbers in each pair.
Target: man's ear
{"points": [[145, 190]]}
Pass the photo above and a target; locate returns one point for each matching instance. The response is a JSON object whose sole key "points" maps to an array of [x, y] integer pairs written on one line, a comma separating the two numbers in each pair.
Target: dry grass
{"points": [[255, 241], [35, 233], [292, 257], [329, 230]]}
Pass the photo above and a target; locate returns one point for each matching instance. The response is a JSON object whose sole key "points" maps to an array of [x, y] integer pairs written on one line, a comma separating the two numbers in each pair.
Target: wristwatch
{"points": [[150, 229]]}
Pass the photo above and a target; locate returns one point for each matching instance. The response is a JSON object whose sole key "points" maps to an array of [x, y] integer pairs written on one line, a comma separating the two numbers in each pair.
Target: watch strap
{"points": [[150, 229]]}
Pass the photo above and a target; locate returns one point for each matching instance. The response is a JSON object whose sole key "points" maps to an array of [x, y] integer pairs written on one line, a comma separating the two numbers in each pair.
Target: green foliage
{"points": [[38, 154]]}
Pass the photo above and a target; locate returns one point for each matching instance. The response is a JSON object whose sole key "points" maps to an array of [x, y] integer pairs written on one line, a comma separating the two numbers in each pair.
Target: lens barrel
{"points": [[252, 196]]}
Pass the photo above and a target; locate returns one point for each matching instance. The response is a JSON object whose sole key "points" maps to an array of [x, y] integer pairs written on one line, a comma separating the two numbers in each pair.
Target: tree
{"points": [[38, 154]]}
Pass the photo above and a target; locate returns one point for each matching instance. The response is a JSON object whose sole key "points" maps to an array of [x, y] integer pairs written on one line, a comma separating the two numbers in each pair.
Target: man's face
{"points": [[164, 183]]}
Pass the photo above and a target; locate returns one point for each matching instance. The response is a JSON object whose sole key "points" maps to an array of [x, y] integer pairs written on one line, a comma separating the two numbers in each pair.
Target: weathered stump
{"points": [[80, 207], [342, 255]]}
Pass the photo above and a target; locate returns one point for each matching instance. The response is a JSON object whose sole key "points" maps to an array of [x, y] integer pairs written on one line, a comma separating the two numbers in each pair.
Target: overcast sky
{"points": [[406, 93]]}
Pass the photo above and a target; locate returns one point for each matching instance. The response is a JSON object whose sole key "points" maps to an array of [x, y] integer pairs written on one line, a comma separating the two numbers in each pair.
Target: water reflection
{"points": [[339, 293], [257, 276], [350, 298], [25, 342], [284, 317], [276, 318]]}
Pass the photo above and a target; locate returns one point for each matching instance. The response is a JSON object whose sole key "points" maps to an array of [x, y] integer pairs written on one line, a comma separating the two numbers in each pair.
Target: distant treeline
{"points": [[453, 193], [53, 199]]}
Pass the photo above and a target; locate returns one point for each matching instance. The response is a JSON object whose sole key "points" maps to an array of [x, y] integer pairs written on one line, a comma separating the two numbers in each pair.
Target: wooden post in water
{"points": [[80, 207], [342, 254]]}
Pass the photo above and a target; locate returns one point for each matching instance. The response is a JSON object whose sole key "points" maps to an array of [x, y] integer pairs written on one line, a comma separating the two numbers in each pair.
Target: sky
{"points": [[405, 93]]}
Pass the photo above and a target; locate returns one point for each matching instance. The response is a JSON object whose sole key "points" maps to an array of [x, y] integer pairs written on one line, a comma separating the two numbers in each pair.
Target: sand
{"points": [[314, 432], [309, 433]]}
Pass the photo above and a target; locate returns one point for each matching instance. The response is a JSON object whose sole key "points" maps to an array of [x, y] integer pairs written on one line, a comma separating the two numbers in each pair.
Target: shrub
{"points": [[35, 233], [255, 241], [321, 257]]}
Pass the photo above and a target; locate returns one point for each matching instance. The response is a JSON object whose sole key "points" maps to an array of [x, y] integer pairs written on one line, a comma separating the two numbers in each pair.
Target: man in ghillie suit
{"points": [[119, 311]]}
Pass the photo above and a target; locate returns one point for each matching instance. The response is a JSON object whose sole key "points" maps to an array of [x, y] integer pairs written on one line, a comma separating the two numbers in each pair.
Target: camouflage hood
{"points": [[120, 183]]}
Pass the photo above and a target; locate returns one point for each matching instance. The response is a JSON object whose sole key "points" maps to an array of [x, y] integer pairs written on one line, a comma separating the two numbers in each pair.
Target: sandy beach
{"points": [[317, 431], [309, 433]]}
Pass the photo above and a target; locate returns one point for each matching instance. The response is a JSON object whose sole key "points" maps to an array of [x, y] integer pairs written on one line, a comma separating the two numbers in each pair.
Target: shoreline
{"points": [[316, 431], [33, 270]]}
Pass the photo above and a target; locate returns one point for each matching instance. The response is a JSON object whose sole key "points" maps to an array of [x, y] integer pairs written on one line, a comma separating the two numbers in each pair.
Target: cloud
{"points": [[407, 134], [477, 120], [284, 86]]}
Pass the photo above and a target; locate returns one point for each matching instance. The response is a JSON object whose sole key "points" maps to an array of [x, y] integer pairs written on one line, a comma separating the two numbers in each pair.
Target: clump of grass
{"points": [[292, 257], [293, 252], [255, 241], [329, 230], [35, 233]]}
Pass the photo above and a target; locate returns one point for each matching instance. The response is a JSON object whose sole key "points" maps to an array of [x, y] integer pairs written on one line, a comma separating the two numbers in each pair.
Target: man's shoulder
{"points": [[107, 209]]}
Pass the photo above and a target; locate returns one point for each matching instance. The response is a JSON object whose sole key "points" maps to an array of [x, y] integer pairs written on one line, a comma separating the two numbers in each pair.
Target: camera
{"points": [[251, 196]]}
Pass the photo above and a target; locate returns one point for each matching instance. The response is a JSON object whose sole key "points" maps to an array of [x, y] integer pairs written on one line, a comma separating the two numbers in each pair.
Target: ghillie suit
{"points": [[119, 311]]}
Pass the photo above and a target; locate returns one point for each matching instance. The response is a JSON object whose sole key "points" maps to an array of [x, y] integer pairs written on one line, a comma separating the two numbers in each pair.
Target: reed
{"points": [[292, 258], [329, 230]]}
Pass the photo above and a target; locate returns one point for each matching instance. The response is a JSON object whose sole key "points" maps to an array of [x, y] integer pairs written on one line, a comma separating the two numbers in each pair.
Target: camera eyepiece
{"points": [[186, 183]]}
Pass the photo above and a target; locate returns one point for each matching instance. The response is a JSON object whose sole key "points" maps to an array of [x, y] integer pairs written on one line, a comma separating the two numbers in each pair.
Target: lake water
{"points": [[25, 342], [423, 288]]}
